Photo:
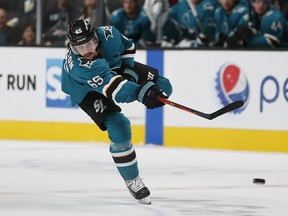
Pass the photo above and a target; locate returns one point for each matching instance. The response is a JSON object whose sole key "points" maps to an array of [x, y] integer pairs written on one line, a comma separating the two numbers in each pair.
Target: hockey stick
{"points": [[106, 9], [249, 11], [230, 107], [195, 14]]}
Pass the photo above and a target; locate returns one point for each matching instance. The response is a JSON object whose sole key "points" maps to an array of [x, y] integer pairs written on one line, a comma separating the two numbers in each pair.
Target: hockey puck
{"points": [[258, 181]]}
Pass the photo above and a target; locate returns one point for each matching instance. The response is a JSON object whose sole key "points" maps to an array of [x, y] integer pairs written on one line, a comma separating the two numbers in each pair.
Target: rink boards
{"points": [[33, 106]]}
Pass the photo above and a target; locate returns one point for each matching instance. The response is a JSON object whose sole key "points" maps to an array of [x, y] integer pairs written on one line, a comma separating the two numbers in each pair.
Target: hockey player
{"points": [[267, 28], [227, 18], [196, 28], [118, 52], [132, 22], [87, 78]]}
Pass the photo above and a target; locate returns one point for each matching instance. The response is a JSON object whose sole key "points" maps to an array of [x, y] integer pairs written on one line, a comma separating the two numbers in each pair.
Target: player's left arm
{"points": [[127, 56], [127, 48], [116, 88]]}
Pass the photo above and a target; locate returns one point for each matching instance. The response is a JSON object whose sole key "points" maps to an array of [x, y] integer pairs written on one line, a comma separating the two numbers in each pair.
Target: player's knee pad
{"points": [[119, 130], [165, 85]]}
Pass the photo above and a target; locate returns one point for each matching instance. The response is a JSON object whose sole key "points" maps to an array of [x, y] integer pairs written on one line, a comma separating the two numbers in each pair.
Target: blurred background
{"points": [[226, 24], [214, 52]]}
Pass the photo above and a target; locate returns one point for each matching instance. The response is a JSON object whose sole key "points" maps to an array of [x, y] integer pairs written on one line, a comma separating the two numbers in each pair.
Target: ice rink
{"points": [[80, 179]]}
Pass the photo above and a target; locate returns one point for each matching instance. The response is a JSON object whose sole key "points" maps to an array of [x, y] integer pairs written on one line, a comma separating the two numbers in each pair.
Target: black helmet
{"points": [[80, 32]]}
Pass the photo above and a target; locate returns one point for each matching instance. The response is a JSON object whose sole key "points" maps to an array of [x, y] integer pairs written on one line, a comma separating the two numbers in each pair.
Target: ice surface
{"points": [[80, 179]]}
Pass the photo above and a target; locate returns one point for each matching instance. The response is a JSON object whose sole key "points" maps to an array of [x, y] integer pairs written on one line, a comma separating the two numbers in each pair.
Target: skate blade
{"points": [[145, 201]]}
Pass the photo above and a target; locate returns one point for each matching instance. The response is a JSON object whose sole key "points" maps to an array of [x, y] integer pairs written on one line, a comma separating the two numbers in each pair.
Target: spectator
{"points": [[6, 32], [227, 18], [56, 23], [172, 2], [285, 10], [190, 31], [279, 4], [267, 28], [91, 13], [28, 36], [132, 22]]}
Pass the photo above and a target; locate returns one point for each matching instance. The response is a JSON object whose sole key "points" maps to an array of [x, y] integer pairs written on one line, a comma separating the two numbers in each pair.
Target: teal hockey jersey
{"points": [[79, 76]]}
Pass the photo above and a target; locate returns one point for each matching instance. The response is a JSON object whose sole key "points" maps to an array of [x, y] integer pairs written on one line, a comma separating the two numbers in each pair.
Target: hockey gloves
{"points": [[130, 75], [241, 36], [127, 72], [148, 94], [245, 32], [204, 40], [234, 42]]}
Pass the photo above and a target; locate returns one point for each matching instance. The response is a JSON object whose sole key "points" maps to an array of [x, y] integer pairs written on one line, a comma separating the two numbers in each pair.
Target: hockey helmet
{"points": [[80, 32]]}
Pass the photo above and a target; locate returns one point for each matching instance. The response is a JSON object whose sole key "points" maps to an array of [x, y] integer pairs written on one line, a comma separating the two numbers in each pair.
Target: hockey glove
{"points": [[203, 40], [234, 42], [130, 75], [148, 94], [186, 34], [222, 40], [245, 32], [127, 72]]}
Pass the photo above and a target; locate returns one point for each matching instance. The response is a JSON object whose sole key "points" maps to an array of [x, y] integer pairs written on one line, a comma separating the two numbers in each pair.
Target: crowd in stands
{"points": [[173, 23]]}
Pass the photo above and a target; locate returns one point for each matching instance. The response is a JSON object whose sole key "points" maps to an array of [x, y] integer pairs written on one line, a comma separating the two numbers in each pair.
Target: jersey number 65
{"points": [[95, 82]]}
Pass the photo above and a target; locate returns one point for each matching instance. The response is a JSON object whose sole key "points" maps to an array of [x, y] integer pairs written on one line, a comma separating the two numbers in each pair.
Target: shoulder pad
{"points": [[106, 31]]}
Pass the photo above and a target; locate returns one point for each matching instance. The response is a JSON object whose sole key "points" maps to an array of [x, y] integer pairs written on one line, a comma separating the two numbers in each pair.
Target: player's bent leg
{"points": [[164, 84], [124, 156], [121, 148], [106, 115]]}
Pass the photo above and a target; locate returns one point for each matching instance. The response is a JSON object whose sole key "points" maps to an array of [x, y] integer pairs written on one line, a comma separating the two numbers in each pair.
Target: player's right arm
{"points": [[98, 77]]}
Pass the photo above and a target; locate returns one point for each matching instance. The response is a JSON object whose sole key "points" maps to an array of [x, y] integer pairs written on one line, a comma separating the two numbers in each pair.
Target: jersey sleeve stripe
{"points": [[110, 89], [272, 40], [112, 84], [118, 89], [132, 47], [130, 50], [128, 56]]}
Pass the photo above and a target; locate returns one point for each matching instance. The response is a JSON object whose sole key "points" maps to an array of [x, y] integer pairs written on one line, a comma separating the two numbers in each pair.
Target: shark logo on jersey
{"points": [[107, 31], [85, 62]]}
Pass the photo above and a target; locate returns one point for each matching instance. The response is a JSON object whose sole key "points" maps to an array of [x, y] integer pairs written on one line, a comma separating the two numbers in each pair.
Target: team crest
{"points": [[85, 62], [107, 31]]}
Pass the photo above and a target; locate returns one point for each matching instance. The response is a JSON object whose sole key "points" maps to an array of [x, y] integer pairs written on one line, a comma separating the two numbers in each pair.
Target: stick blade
{"points": [[230, 107]]}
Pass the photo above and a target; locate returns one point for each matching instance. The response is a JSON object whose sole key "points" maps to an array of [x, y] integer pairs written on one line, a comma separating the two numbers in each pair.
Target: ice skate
{"points": [[138, 190]]}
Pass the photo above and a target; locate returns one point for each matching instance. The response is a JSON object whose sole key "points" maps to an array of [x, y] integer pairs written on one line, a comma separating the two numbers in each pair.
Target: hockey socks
{"points": [[126, 162]]}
